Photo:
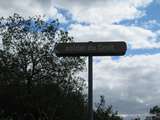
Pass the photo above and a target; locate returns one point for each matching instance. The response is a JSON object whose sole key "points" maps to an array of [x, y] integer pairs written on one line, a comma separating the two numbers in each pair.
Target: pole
{"points": [[90, 88]]}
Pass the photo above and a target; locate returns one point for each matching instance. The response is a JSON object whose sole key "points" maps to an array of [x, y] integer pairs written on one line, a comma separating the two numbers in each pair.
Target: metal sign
{"points": [[91, 48]]}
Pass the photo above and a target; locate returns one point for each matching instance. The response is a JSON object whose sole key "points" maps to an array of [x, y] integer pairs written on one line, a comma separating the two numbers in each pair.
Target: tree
{"points": [[105, 113], [31, 42], [154, 113], [35, 84], [155, 110]]}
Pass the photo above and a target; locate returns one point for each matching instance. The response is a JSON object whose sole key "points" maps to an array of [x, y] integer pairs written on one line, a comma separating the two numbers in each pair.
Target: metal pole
{"points": [[90, 88]]}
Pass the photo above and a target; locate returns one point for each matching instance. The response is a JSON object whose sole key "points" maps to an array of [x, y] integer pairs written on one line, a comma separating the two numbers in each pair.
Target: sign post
{"points": [[90, 88], [91, 49]]}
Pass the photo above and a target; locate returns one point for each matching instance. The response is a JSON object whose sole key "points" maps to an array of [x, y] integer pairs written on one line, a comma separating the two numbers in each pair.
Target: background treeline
{"points": [[34, 83], [154, 114]]}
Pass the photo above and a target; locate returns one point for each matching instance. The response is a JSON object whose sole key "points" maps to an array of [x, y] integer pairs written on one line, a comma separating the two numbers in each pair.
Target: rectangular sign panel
{"points": [[91, 48]]}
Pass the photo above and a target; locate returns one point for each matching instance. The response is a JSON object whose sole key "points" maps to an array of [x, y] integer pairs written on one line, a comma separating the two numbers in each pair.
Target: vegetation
{"points": [[155, 110], [34, 83], [105, 113], [154, 114]]}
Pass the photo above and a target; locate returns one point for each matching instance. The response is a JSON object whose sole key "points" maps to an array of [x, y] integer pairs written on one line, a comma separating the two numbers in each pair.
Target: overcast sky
{"points": [[131, 83]]}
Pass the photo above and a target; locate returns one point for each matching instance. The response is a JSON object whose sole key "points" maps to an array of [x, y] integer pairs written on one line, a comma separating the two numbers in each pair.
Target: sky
{"points": [[131, 82]]}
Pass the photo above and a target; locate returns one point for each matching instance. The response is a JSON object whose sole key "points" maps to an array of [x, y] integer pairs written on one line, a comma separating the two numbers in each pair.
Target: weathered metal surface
{"points": [[91, 48]]}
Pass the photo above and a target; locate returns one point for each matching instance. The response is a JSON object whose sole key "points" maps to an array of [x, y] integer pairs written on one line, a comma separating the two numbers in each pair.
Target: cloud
{"points": [[30, 8], [130, 84], [104, 11], [136, 37]]}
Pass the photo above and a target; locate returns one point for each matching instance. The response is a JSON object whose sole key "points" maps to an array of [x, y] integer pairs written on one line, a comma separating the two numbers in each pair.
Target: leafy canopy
{"points": [[34, 82]]}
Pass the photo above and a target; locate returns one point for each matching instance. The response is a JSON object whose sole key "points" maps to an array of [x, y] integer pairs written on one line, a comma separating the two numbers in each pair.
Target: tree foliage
{"points": [[104, 112], [34, 83], [155, 110], [31, 43]]}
